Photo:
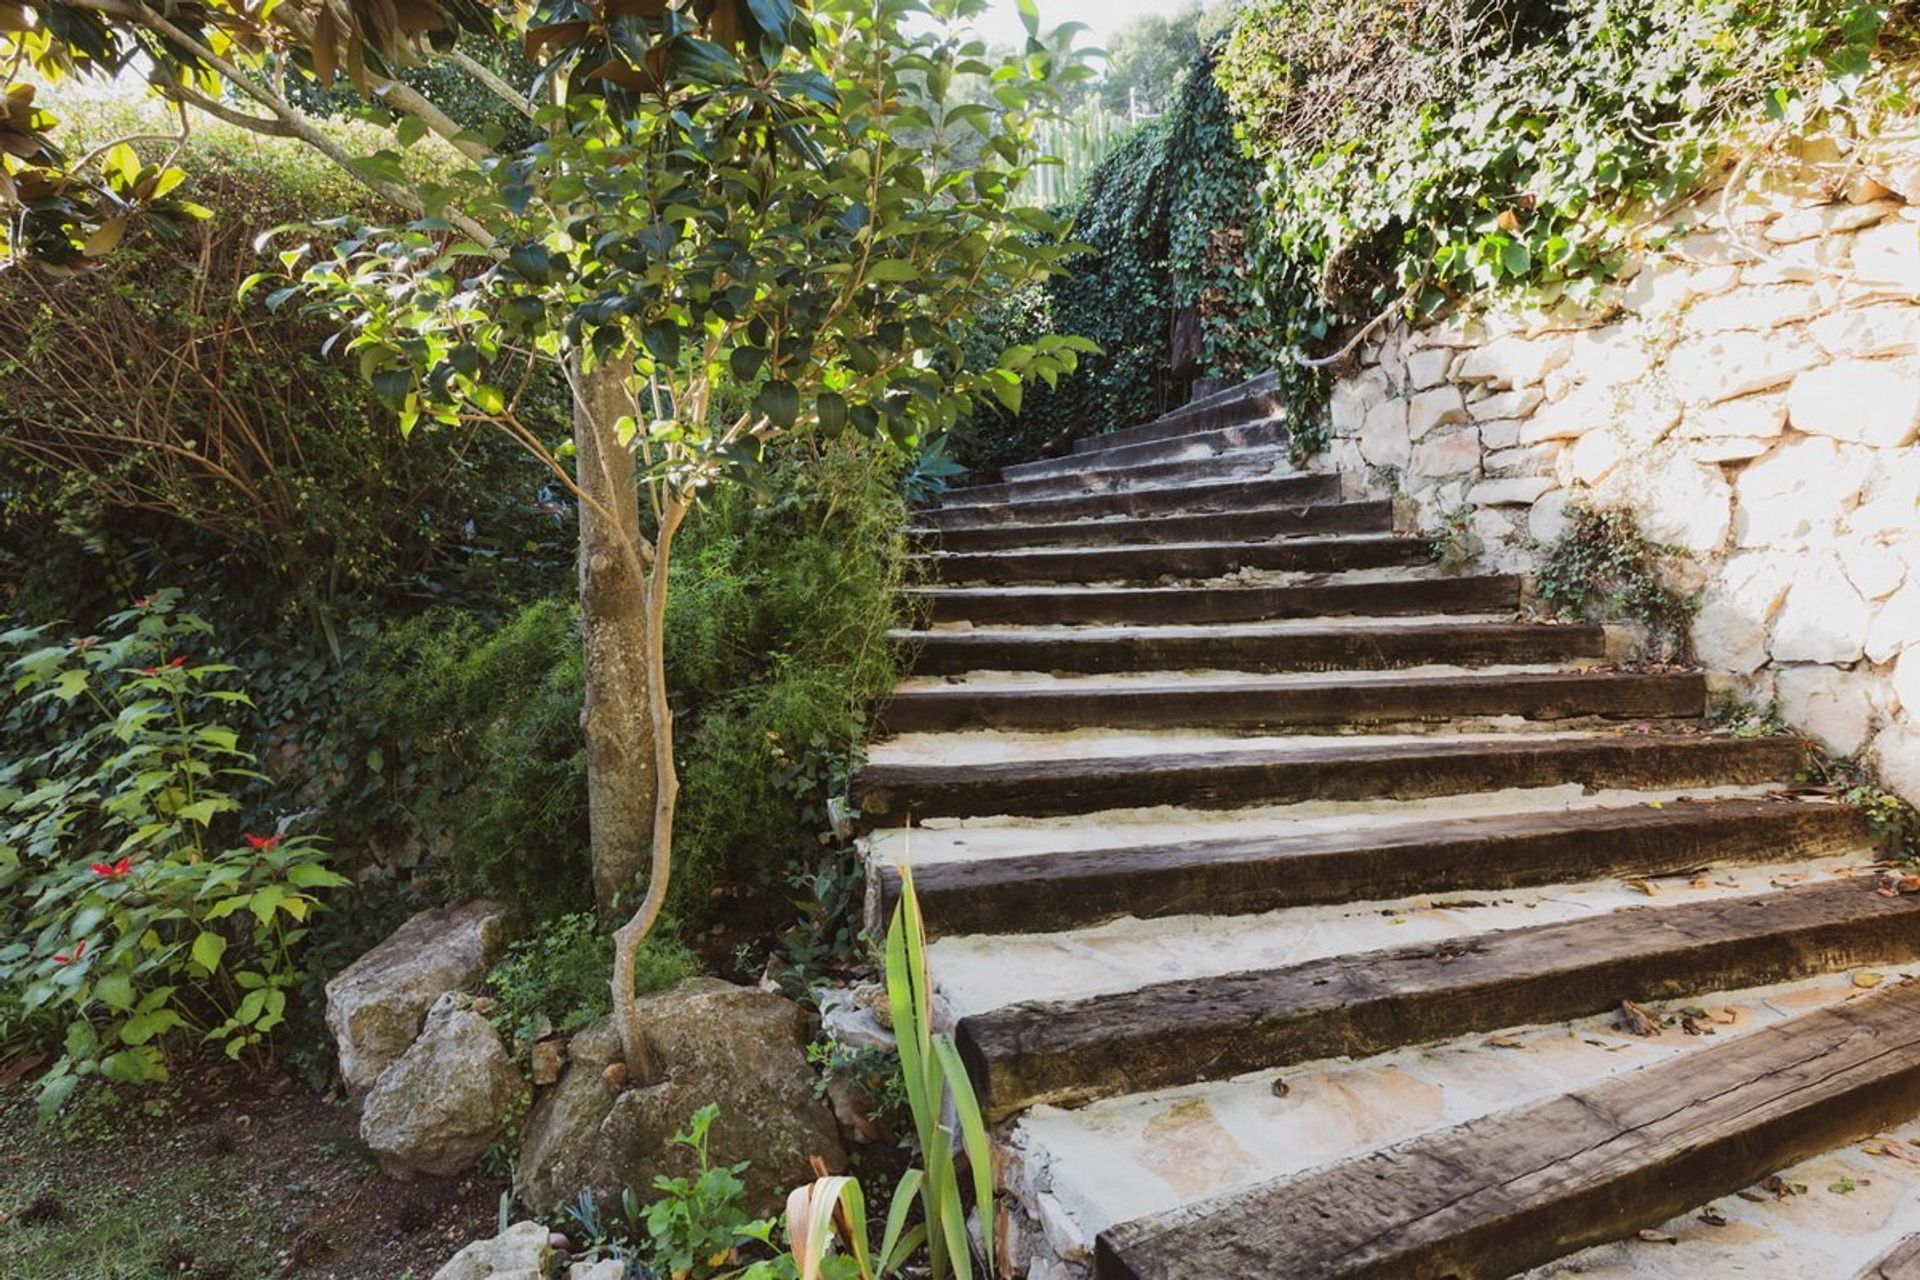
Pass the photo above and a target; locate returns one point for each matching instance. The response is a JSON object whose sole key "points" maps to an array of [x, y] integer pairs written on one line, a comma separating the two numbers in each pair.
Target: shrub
{"points": [[142, 916], [1604, 567], [557, 980]]}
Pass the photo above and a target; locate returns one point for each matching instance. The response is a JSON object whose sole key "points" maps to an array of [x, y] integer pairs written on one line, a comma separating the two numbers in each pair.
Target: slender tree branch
{"points": [[491, 79]]}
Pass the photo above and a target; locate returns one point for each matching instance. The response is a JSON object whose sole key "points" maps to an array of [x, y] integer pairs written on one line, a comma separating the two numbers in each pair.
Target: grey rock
{"points": [[448, 1098], [519, 1251], [375, 1005], [740, 1048]]}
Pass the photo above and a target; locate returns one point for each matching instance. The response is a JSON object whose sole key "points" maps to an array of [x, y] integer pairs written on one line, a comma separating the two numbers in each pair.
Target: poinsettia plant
{"points": [[140, 916]]}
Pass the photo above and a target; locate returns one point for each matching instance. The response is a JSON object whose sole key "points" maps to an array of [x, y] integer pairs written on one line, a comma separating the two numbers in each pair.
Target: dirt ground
{"points": [[218, 1178]]}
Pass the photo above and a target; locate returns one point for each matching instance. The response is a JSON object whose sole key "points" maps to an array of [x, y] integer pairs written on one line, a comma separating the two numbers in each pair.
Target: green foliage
{"points": [[1165, 223], [698, 1223], [1604, 567], [140, 915], [556, 980], [154, 427], [1894, 822], [1148, 60], [1449, 148], [1743, 719]]}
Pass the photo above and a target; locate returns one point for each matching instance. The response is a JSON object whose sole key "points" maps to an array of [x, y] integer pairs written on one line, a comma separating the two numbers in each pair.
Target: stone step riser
{"points": [[889, 794], [1247, 464], [1264, 432], [1197, 606], [1333, 649], [1226, 495], [1057, 892], [1224, 526], [1258, 398], [1349, 707], [1072, 1052], [1148, 564]]}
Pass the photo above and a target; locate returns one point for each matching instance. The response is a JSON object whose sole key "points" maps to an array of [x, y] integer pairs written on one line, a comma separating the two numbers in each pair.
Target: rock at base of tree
{"points": [[737, 1047], [447, 1099], [518, 1253], [375, 1005]]}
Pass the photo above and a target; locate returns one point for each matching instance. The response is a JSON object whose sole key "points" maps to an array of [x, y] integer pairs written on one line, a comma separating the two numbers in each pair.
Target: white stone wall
{"points": [[1753, 393]]}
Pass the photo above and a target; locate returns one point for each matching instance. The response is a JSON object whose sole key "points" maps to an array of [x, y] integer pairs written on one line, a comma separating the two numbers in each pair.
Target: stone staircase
{"points": [[1286, 891]]}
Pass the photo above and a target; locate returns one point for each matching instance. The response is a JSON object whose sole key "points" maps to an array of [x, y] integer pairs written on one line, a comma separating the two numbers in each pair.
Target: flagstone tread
{"points": [[1187, 445], [1226, 704], [1260, 461], [1222, 494], [1347, 644], [1490, 593], [1494, 1196], [1077, 888], [1209, 559], [1348, 770], [1247, 524]]}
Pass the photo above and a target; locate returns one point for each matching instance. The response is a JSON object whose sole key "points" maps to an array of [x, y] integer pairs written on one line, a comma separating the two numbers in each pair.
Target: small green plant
{"points": [[556, 980], [1604, 567], [1453, 545], [834, 1208], [699, 1224], [1743, 719], [1893, 821], [140, 915]]}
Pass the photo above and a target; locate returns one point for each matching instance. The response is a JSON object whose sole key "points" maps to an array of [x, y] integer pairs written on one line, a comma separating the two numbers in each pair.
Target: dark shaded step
{"points": [[1188, 560], [1071, 1052], [1076, 889], [1215, 495], [1255, 398], [1335, 646], [1266, 462], [1495, 1196], [1354, 770], [1193, 606], [1186, 447], [1302, 704], [1216, 526]]}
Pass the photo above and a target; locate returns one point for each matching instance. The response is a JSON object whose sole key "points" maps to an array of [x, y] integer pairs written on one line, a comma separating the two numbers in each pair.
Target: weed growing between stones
{"points": [[1744, 719], [1894, 822], [1454, 545], [1605, 568]]}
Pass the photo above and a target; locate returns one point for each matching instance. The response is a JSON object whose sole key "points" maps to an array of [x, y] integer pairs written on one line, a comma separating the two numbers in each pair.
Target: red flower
{"points": [[68, 957], [86, 642], [113, 870], [171, 664], [262, 844], [145, 602]]}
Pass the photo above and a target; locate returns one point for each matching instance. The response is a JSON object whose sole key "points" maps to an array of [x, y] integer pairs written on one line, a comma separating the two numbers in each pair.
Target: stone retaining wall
{"points": [[1753, 393]]}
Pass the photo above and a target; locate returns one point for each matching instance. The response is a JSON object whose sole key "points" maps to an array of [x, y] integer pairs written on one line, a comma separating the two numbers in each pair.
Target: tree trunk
{"points": [[621, 772]]}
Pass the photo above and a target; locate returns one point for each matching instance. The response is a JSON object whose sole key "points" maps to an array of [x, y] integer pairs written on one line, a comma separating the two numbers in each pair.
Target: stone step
{"points": [[1263, 462], [1494, 1196], [1310, 645], [1187, 447], [1349, 769], [1147, 606], [1142, 1155], [1070, 1052], [1248, 525], [1255, 398], [1054, 892], [1175, 560], [1210, 495], [1225, 704]]}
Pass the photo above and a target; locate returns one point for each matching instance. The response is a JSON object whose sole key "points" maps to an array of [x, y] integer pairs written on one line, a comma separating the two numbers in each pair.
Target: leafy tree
{"points": [[739, 218]]}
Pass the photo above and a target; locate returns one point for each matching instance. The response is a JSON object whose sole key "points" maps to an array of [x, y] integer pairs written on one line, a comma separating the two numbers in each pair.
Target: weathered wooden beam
{"points": [[1248, 524], [1198, 605], [1229, 494], [1190, 560]]}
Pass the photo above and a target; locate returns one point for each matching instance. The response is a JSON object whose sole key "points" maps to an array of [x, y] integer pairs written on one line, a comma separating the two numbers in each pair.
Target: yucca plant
{"points": [[835, 1207]]}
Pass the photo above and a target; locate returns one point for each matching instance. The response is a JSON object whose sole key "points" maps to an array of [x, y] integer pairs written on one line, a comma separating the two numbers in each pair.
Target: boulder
{"points": [[1435, 408], [740, 1048], [1449, 453], [375, 1005], [1865, 333], [1896, 626], [1519, 491], [1755, 417], [447, 1099], [1737, 610], [1684, 503], [1833, 705], [520, 1252], [1512, 363], [1385, 440], [1824, 618], [1797, 494], [1729, 365], [1752, 307], [1506, 404]]}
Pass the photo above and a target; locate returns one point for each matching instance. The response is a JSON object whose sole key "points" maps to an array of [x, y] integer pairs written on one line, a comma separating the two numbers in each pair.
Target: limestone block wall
{"points": [[1752, 392]]}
